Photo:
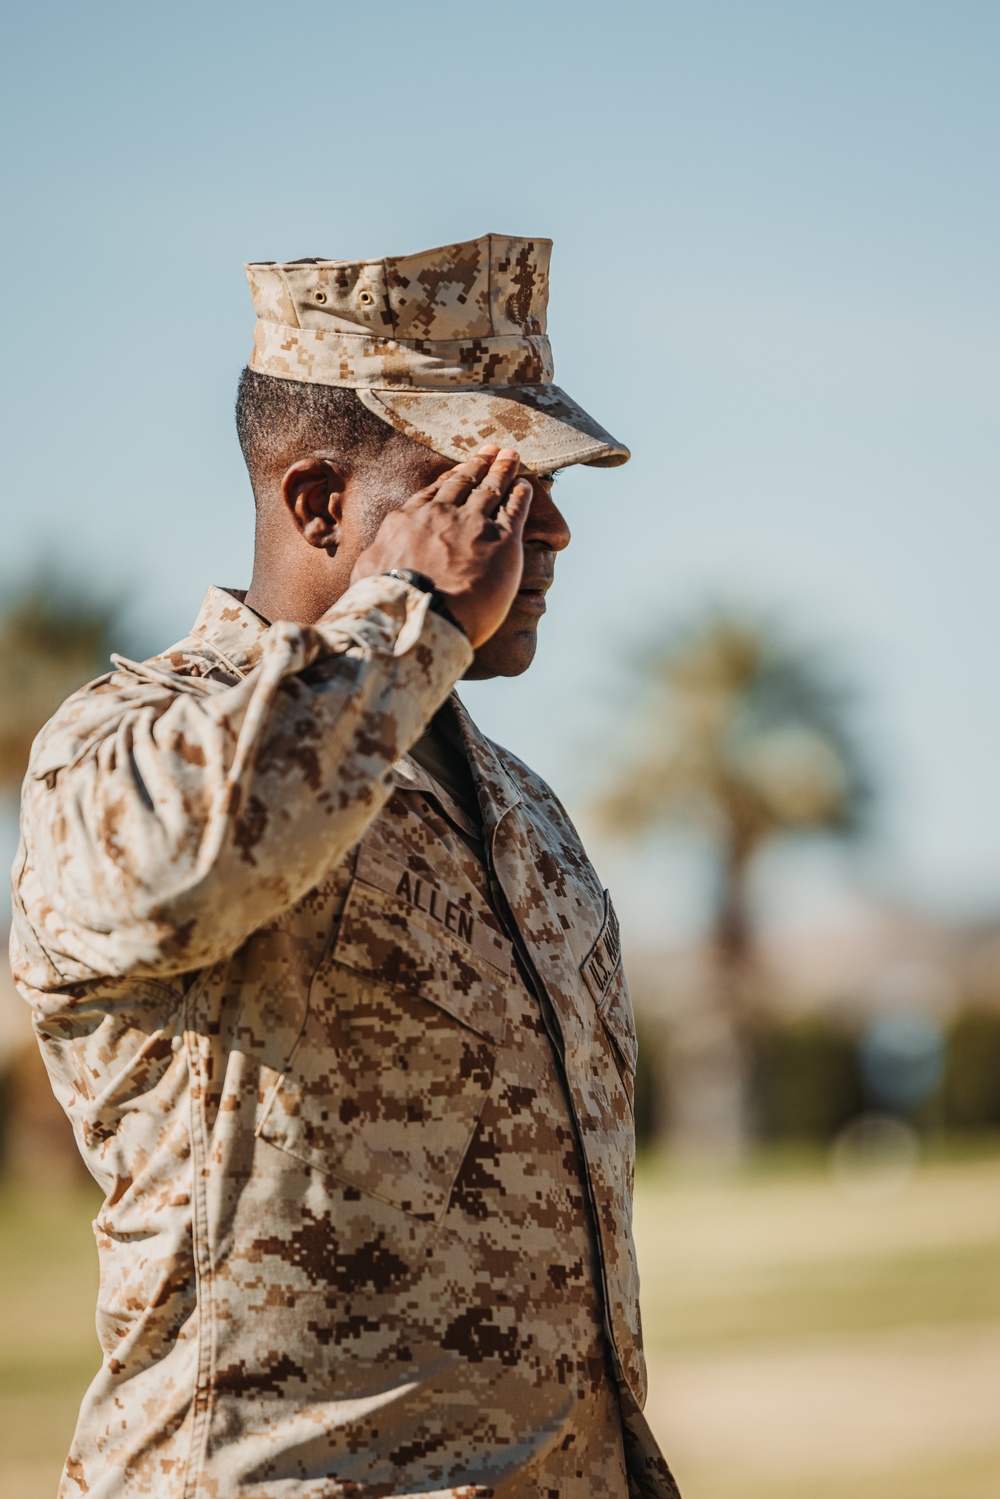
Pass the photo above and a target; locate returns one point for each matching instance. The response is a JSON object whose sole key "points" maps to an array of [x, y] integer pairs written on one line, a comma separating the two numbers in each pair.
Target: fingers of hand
{"points": [[457, 481], [492, 490], [513, 513], [487, 476], [473, 468], [455, 488]]}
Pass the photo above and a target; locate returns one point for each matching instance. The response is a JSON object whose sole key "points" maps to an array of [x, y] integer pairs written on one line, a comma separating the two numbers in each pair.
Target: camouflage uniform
{"points": [[353, 1070]]}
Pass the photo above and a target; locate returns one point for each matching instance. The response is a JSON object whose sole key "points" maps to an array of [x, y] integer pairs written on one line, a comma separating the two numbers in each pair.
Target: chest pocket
{"points": [[397, 1051], [605, 978]]}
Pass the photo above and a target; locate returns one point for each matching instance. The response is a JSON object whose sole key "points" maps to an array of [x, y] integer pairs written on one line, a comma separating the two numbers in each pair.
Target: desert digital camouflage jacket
{"points": [[362, 1234]]}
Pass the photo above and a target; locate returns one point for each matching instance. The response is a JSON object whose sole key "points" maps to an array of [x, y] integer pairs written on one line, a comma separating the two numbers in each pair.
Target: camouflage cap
{"points": [[447, 346]]}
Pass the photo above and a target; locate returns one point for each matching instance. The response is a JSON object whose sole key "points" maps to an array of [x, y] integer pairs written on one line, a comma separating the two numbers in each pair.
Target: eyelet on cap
{"points": [[319, 296], [365, 298]]}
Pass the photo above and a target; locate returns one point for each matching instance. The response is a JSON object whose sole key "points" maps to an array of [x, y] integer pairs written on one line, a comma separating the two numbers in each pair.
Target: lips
{"points": [[531, 594]]}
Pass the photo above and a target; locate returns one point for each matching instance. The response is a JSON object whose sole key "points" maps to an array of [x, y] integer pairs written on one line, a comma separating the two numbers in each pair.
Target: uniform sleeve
{"points": [[188, 819]]}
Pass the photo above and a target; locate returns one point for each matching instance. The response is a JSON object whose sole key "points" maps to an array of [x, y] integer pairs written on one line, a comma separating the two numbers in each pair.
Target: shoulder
{"points": [[94, 711], [528, 782], [556, 848], [541, 802]]}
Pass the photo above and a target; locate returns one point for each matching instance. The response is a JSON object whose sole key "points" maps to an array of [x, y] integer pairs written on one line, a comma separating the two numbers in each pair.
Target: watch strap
{"points": [[426, 585]]}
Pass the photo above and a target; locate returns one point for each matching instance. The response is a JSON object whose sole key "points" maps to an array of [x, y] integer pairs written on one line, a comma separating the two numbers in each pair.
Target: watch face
{"points": [[415, 579]]}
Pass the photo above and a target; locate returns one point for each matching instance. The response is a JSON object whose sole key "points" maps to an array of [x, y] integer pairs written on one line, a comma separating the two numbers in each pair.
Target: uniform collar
{"points": [[409, 776], [231, 630], [497, 792], [494, 787]]}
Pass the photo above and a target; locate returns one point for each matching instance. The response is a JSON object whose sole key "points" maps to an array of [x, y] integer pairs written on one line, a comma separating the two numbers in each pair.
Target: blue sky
{"points": [[776, 241]]}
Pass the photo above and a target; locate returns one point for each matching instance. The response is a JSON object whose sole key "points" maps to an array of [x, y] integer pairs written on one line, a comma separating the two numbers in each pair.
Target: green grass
{"points": [[49, 1351], [794, 1301], [761, 1258]]}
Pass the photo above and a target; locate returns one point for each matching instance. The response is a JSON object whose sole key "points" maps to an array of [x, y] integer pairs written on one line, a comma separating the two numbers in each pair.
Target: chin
{"points": [[504, 655]]}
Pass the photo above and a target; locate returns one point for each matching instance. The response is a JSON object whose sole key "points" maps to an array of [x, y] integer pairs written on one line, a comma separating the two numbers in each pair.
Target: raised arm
{"points": [[163, 823]]}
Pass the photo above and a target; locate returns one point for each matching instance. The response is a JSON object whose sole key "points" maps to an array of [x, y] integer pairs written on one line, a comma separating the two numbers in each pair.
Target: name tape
{"points": [[393, 878]]}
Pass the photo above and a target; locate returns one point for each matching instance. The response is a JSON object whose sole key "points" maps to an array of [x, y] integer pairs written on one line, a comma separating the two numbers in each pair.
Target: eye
{"points": [[547, 479]]}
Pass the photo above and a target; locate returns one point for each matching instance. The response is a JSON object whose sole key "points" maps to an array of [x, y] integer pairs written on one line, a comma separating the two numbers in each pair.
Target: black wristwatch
{"points": [[426, 585]]}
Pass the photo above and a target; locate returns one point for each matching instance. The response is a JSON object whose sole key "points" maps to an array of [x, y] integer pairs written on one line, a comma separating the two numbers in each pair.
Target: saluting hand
{"points": [[464, 531]]}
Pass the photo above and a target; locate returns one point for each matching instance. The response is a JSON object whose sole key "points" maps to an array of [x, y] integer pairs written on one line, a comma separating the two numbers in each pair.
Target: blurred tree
{"points": [[972, 1077], [648, 1101], [746, 740], [53, 638], [807, 1082]]}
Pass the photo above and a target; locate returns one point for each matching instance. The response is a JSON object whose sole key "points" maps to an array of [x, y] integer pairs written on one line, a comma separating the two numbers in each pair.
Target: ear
{"points": [[313, 490]]}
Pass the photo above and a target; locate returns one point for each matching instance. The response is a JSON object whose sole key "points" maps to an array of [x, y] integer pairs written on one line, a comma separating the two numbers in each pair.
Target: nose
{"points": [[546, 525]]}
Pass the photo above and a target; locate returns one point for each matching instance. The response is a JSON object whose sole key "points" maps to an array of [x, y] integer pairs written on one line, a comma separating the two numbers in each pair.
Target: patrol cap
{"points": [[448, 346]]}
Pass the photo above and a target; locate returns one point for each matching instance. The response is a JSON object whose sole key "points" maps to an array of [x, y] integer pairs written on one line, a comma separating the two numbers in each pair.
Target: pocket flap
{"points": [[616, 1012], [423, 953], [427, 896]]}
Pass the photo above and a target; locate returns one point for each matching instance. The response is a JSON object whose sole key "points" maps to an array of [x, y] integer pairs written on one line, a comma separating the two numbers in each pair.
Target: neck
{"points": [[300, 588]]}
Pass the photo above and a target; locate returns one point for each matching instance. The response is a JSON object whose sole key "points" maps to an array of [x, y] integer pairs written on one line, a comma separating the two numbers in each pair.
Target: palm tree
{"points": [[746, 740]]}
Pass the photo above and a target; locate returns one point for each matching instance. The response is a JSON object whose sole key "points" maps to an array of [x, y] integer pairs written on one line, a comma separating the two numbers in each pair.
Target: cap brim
{"points": [[548, 429]]}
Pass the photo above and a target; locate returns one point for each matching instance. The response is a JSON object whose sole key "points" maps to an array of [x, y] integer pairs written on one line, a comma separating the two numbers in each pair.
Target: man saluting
{"points": [[324, 979]]}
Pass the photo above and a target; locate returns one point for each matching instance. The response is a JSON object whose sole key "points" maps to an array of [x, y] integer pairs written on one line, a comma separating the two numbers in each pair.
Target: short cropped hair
{"points": [[279, 421]]}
